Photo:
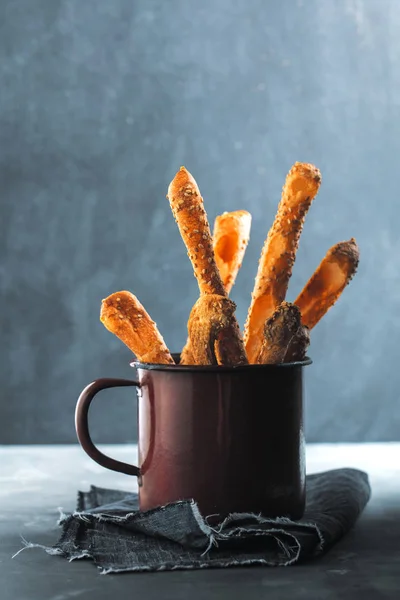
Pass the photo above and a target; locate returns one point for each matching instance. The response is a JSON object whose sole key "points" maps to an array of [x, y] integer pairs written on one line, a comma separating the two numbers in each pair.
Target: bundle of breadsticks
{"points": [[276, 331]]}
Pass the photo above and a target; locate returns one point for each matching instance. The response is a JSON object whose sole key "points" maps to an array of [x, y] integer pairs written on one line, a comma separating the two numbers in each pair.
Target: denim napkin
{"points": [[109, 529]]}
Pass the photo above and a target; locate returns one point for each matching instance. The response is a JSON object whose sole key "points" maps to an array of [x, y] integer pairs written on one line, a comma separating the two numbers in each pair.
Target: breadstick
{"points": [[188, 209], [328, 282], [279, 252], [279, 331], [122, 314], [211, 327], [187, 357], [298, 345], [231, 235]]}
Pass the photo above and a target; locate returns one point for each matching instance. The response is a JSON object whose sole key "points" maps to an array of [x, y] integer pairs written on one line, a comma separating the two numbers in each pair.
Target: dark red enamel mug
{"points": [[230, 438]]}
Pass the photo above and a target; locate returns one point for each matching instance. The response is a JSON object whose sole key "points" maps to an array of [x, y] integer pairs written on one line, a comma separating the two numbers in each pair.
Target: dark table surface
{"points": [[39, 481]]}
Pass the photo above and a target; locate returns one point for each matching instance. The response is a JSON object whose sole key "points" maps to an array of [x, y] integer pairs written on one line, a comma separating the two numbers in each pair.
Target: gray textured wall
{"points": [[101, 102]]}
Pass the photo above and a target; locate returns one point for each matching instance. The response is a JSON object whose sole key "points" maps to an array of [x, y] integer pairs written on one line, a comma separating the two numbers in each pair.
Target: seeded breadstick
{"points": [[211, 323], [230, 238], [328, 282], [123, 315], [187, 357], [279, 252], [298, 346], [279, 331], [188, 210]]}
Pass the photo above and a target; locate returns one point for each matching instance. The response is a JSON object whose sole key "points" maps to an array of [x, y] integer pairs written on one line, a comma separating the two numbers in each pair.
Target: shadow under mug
{"points": [[230, 438]]}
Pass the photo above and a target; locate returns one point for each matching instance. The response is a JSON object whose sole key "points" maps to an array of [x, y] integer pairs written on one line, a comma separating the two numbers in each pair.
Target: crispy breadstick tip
{"points": [[230, 238], [188, 209], [279, 252], [279, 331], [123, 315], [328, 282]]}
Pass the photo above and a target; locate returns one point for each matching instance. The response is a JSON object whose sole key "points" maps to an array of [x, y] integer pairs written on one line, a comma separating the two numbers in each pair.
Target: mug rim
{"points": [[216, 368]]}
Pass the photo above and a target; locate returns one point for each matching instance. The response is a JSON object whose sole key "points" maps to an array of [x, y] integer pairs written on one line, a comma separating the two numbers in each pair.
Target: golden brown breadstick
{"points": [[298, 346], [279, 331], [328, 282], [188, 209], [211, 327], [122, 314], [231, 235], [279, 252], [187, 357], [230, 238]]}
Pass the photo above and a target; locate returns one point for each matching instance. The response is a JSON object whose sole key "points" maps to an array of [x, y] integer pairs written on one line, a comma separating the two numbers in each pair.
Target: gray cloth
{"points": [[109, 529]]}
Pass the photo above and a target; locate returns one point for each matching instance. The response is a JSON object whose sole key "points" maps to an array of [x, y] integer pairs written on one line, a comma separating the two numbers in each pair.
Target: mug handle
{"points": [[82, 426]]}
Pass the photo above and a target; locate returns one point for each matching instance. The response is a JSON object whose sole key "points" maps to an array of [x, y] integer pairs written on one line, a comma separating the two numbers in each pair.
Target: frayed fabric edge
{"points": [[204, 527], [54, 551], [203, 565]]}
